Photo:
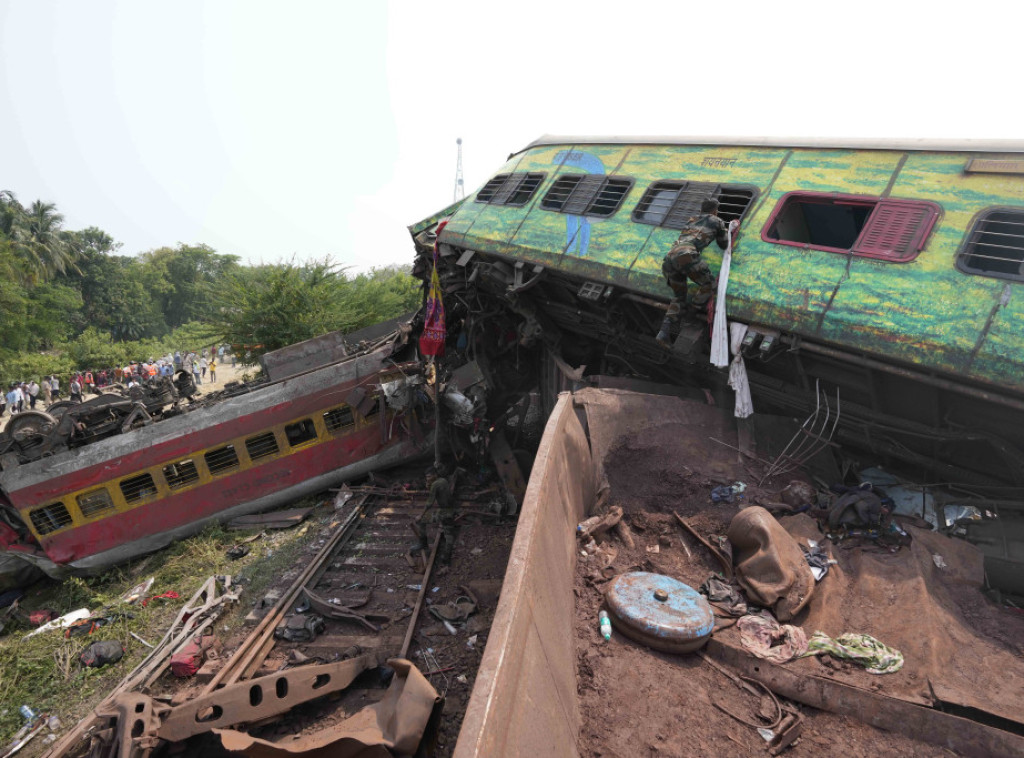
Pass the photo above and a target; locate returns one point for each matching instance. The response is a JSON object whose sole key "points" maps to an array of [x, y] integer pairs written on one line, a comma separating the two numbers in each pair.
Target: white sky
{"points": [[308, 127]]}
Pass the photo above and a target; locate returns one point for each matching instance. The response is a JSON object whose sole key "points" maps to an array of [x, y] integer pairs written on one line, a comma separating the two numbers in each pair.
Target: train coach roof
{"points": [[846, 143]]}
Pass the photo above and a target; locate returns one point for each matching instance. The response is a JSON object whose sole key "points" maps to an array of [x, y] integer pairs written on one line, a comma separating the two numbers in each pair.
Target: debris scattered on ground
{"points": [[763, 636], [100, 654]]}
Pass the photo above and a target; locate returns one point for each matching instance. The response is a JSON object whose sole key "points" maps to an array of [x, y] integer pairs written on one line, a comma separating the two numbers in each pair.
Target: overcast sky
{"points": [[313, 128]]}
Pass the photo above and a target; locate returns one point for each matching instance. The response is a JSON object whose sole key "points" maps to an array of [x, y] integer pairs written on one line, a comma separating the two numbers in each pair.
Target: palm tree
{"points": [[43, 241]]}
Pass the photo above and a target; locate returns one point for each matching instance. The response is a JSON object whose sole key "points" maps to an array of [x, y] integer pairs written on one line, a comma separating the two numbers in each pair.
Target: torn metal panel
{"points": [[394, 726], [262, 698], [304, 356]]}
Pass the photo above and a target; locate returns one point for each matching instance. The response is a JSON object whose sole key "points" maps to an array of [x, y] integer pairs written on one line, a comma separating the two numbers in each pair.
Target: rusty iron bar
{"points": [[966, 737], [255, 647], [419, 600], [726, 564]]}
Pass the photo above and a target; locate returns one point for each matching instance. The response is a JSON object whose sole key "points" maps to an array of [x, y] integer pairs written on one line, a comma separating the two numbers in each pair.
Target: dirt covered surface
{"points": [[637, 702]]}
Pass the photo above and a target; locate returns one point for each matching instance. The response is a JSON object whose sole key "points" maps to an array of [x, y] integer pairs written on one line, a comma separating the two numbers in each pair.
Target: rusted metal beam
{"points": [[261, 698], [965, 737], [419, 599]]}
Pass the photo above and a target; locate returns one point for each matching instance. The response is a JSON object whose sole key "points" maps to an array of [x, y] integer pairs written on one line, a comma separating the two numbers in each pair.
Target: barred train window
{"points": [[892, 230], [181, 474], [94, 503], [587, 194], [50, 518], [261, 446], [136, 488], [300, 432], [995, 245], [222, 459], [337, 419], [510, 189], [673, 204]]}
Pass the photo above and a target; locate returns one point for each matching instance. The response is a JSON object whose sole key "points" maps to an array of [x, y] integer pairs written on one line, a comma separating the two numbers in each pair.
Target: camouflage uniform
{"points": [[684, 261], [441, 496]]}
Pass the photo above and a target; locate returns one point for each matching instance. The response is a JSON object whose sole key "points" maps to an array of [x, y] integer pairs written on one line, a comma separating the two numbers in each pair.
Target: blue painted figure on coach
{"points": [[577, 228]]}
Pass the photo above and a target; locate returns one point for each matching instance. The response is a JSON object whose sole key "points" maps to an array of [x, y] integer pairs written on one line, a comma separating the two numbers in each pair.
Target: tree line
{"points": [[70, 301]]}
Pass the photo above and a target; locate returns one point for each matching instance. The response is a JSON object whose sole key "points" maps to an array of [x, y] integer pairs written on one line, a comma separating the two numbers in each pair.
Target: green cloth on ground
{"points": [[864, 649]]}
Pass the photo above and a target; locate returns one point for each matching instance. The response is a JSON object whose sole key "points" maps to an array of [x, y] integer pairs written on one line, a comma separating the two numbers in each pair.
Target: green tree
{"points": [[190, 275], [272, 306], [53, 314]]}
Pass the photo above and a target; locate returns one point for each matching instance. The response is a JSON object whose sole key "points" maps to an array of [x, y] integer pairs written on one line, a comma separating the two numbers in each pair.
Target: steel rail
{"points": [[419, 600], [249, 653]]}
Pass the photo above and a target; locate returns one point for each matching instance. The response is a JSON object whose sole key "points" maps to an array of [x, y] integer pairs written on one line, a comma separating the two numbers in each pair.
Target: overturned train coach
{"points": [[327, 414], [883, 276]]}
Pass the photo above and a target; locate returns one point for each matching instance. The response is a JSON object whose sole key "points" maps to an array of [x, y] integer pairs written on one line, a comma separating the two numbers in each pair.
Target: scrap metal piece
{"points": [[261, 698], [344, 612]]}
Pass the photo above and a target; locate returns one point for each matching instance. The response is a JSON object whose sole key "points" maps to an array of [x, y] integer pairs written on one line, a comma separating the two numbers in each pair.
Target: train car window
{"points": [[673, 204], [222, 459], [338, 419], [261, 446], [518, 189], [300, 432], [181, 474], [50, 518], [94, 503], [587, 194], [490, 189], [995, 245], [136, 488], [892, 230]]}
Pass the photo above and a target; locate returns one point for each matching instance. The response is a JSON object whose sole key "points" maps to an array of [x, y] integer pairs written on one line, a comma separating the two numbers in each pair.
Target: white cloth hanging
{"points": [[738, 372], [719, 338]]}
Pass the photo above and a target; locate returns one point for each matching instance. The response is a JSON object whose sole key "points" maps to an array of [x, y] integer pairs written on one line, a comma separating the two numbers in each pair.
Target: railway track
{"points": [[360, 583]]}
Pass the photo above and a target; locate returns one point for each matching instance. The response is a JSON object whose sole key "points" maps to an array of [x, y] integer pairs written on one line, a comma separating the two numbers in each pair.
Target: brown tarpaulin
{"points": [[770, 566]]}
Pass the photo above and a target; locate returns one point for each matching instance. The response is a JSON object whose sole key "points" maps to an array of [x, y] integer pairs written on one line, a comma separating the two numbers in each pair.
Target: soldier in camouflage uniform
{"points": [[441, 496], [684, 261]]}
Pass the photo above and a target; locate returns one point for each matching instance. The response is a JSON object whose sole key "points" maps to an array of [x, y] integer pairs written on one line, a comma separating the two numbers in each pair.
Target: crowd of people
{"points": [[26, 396]]}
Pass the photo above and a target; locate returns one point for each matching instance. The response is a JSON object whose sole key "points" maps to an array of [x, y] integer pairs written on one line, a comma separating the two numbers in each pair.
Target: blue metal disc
{"points": [[659, 612]]}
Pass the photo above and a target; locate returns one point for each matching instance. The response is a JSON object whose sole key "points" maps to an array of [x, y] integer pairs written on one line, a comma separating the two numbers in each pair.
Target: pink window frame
{"points": [[849, 200]]}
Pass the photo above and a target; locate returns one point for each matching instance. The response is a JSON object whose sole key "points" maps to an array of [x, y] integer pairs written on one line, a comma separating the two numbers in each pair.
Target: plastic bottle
{"points": [[27, 713], [606, 625]]}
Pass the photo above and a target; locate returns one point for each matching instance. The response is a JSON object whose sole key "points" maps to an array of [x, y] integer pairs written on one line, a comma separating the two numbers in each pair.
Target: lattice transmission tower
{"points": [[460, 186]]}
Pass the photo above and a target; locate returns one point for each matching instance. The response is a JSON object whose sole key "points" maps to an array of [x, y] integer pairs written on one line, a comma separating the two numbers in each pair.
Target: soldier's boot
{"points": [[664, 337], [421, 543]]}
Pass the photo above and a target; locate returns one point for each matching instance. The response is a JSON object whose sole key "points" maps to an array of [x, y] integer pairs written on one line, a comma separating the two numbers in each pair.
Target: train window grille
{"points": [[221, 459], [261, 445], [300, 432], [673, 204], [94, 503], [50, 518], [181, 474], [490, 189], [338, 419], [137, 488], [587, 194], [883, 228], [995, 245]]}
